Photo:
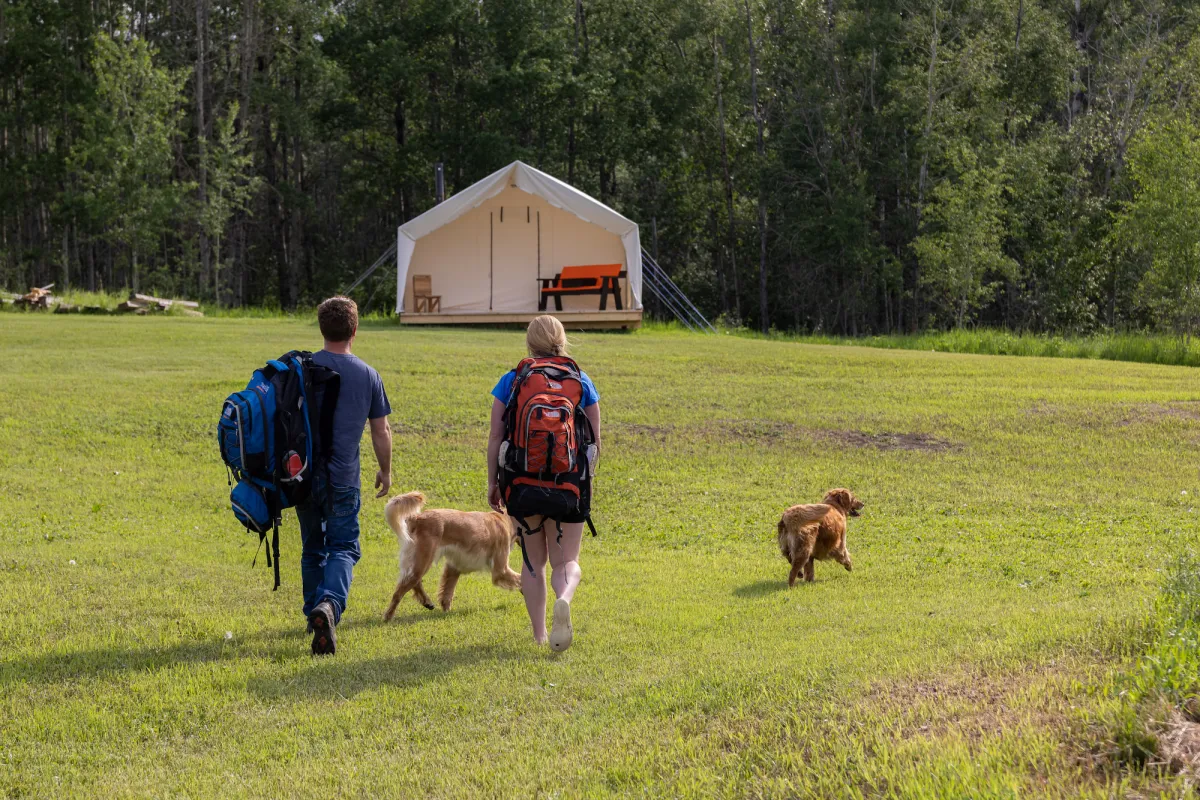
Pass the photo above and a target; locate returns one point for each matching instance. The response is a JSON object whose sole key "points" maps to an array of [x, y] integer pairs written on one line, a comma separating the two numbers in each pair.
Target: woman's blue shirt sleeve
{"points": [[504, 387]]}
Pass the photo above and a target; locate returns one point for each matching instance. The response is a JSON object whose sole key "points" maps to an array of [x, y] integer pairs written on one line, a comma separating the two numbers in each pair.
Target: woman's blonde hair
{"points": [[547, 337]]}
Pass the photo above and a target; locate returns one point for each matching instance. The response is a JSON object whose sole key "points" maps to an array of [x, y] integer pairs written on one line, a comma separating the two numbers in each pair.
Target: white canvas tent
{"points": [[486, 247]]}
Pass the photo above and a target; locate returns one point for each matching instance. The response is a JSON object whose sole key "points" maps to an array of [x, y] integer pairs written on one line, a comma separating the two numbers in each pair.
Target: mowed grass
{"points": [[1019, 512]]}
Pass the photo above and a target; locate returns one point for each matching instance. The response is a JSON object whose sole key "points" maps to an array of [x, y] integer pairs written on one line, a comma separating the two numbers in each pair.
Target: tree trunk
{"points": [[216, 270], [66, 262], [91, 262], [401, 120], [202, 134], [580, 32], [279, 233], [764, 319], [737, 301], [923, 175], [718, 251]]}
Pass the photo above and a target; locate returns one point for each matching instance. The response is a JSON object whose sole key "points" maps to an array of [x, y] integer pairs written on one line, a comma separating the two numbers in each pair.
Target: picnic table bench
{"points": [[601, 279]]}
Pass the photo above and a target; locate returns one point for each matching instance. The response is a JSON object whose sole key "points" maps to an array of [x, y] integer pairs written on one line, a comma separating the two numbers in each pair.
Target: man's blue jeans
{"points": [[329, 530]]}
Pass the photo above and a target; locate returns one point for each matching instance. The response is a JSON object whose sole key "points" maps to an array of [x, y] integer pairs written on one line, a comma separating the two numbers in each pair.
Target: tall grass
{"points": [[1164, 685], [1139, 347], [1145, 348]]}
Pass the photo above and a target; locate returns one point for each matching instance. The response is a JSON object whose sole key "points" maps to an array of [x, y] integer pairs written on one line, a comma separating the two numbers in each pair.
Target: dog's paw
{"points": [[430, 606]]}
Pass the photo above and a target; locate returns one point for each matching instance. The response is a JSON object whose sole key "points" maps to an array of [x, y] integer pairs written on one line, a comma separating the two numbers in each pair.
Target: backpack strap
{"points": [[587, 519], [522, 529], [275, 547]]}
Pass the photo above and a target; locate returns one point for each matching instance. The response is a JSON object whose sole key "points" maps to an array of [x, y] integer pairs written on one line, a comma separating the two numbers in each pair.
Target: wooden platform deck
{"points": [[572, 320]]}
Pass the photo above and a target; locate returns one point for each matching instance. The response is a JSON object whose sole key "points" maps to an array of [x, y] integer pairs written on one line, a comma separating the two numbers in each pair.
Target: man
{"points": [[329, 518]]}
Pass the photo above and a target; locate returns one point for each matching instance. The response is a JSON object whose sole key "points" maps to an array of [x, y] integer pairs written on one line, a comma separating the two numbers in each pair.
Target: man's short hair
{"points": [[338, 318]]}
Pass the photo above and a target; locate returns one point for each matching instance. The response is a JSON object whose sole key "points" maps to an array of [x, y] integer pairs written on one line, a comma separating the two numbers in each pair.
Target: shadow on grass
{"points": [[278, 645], [83, 664], [328, 678], [760, 588]]}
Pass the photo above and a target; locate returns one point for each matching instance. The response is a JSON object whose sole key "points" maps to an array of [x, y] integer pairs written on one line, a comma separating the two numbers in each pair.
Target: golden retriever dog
{"points": [[470, 541], [817, 532]]}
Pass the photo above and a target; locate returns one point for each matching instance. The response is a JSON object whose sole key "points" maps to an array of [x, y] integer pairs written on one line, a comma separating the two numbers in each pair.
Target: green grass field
{"points": [[1019, 515]]}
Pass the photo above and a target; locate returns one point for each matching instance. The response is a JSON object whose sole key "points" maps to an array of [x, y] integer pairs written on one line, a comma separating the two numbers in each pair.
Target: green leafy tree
{"points": [[1160, 221], [960, 244], [124, 155], [232, 184]]}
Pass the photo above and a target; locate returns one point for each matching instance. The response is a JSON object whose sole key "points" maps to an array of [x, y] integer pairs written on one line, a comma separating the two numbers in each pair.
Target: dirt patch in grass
{"points": [[893, 441], [1156, 412], [659, 433], [771, 432], [974, 705], [1179, 744], [1118, 415]]}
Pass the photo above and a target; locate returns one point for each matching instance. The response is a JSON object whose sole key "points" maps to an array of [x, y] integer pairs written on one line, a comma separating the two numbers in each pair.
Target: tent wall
{"points": [[488, 258], [454, 257]]}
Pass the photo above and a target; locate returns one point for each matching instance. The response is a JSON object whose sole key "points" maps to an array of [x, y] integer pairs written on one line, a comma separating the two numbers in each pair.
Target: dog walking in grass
{"points": [[469, 541], [817, 532]]}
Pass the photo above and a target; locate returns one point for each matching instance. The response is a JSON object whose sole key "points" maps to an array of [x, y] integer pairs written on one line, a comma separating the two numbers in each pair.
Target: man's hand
{"points": [[383, 483], [381, 441], [494, 498]]}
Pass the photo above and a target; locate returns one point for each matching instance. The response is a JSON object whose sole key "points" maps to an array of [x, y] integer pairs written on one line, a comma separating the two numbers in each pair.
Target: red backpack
{"points": [[545, 469]]}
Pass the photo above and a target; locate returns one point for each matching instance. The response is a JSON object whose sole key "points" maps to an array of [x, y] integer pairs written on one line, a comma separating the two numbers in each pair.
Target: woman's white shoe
{"points": [[561, 631]]}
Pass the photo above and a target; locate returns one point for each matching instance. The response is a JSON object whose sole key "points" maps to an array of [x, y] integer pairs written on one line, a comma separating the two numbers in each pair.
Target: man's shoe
{"points": [[324, 641], [561, 632]]}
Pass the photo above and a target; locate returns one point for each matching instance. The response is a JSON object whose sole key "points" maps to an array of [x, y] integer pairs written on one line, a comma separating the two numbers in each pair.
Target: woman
{"points": [[544, 338]]}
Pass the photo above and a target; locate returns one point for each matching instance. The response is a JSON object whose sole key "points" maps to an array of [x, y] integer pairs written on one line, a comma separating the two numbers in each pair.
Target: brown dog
{"points": [[470, 541], [817, 532]]}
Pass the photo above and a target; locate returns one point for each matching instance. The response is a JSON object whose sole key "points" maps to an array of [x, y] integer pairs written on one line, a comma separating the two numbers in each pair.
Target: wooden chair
{"points": [[424, 300], [601, 279]]}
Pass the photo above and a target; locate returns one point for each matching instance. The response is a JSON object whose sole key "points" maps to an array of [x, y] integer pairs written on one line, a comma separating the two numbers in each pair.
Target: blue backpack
{"points": [[274, 436]]}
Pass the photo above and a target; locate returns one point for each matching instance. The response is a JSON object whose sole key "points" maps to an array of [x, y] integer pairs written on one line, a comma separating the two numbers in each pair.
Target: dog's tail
{"points": [[781, 539], [400, 508]]}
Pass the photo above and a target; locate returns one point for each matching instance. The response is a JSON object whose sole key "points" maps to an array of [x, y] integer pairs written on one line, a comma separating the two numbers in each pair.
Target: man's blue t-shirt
{"points": [[360, 398], [503, 389]]}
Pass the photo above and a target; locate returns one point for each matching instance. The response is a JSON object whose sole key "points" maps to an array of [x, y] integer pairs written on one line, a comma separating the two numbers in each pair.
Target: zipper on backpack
{"points": [[249, 518]]}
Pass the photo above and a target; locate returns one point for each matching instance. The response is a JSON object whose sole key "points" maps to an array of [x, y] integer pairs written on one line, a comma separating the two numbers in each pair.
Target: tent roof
{"points": [[524, 177]]}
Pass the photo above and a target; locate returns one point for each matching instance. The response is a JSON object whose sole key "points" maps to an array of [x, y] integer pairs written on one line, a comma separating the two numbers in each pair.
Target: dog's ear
{"points": [[840, 498]]}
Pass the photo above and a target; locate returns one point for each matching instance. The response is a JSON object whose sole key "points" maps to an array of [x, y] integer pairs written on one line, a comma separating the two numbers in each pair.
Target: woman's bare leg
{"points": [[564, 558], [534, 587]]}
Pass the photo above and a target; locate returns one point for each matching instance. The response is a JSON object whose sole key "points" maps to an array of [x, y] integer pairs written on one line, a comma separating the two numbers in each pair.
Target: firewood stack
{"points": [[38, 298], [146, 304]]}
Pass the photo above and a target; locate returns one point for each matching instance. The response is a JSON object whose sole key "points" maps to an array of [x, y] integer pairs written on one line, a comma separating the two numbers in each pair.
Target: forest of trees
{"points": [[846, 166]]}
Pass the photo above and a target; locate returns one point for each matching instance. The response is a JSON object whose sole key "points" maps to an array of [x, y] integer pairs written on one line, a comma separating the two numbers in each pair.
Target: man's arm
{"points": [[381, 440]]}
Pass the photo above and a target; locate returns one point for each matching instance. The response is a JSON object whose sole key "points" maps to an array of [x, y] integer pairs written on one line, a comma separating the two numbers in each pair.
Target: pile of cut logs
{"points": [[40, 298], [145, 304]]}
